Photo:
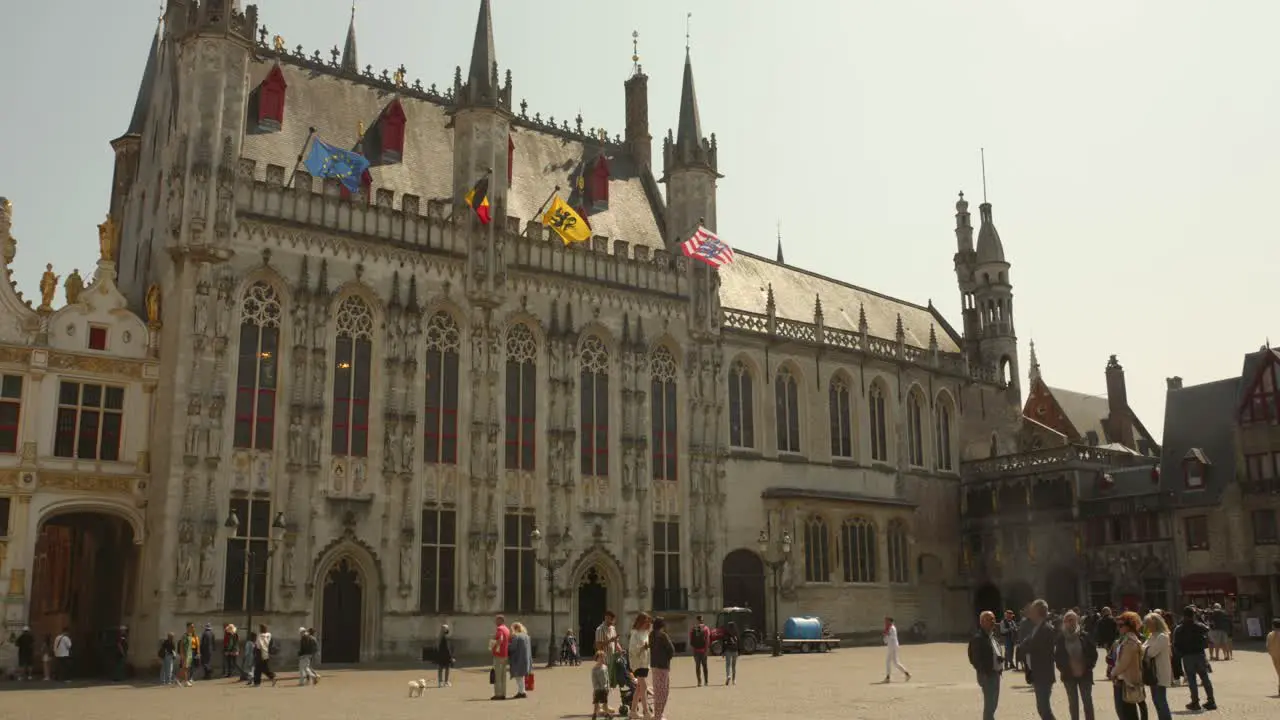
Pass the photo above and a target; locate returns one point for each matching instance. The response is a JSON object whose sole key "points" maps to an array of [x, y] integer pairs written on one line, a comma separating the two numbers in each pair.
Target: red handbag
{"points": [[528, 682]]}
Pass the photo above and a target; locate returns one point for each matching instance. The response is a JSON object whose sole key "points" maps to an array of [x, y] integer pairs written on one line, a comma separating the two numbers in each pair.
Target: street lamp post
{"points": [[558, 550], [278, 528], [775, 563]]}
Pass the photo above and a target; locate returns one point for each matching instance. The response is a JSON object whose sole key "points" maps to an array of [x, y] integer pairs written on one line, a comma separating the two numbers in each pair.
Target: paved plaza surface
{"points": [[842, 684]]}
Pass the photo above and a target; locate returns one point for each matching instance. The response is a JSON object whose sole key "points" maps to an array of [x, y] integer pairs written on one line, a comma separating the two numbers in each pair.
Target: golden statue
{"points": [[398, 78], [153, 305], [277, 43], [108, 238], [8, 242], [48, 286], [74, 286]]}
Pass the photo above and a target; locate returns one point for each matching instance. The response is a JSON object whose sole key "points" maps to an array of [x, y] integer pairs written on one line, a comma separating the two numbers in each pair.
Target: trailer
{"points": [[807, 634]]}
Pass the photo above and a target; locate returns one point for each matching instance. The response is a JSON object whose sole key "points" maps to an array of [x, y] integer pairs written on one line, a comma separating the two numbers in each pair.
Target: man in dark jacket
{"points": [[1039, 651], [206, 650], [1190, 639], [1106, 632], [985, 657], [26, 643]]}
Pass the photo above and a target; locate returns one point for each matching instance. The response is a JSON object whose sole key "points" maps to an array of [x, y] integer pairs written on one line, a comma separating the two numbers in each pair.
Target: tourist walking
{"points": [[520, 659], [444, 657], [1157, 671], [891, 650], [1106, 633], [26, 652], [168, 660], [1075, 655], [264, 647], [230, 651], [188, 652], [206, 650], [699, 637], [1273, 649], [606, 641], [306, 655], [1009, 634], [638, 646], [1127, 673], [988, 661], [729, 642], [660, 660], [1190, 639], [1038, 650], [62, 655], [500, 648], [1219, 633]]}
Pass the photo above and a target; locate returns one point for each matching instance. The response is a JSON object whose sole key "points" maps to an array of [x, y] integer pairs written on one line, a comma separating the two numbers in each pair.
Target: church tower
{"points": [[986, 298], [481, 122], [689, 168]]}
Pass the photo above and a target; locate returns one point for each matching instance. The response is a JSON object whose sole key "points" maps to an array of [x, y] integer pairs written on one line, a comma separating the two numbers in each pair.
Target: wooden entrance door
{"points": [[343, 614]]}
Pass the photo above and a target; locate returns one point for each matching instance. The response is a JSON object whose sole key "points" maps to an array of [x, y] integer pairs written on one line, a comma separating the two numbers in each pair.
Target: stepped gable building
{"points": [[1222, 461], [369, 401], [1078, 514]]}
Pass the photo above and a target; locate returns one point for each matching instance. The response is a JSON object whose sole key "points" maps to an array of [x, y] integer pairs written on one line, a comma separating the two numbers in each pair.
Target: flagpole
{"points": [[547, 202], [311, 132]]}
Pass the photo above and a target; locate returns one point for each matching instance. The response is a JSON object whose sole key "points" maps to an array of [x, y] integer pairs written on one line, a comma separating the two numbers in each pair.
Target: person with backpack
{"points": [[263, 648], [699, 635], [306, 653]]}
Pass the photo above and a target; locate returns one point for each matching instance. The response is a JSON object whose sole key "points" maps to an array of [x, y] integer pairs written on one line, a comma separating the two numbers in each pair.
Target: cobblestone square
{"points": [[846, 683]]}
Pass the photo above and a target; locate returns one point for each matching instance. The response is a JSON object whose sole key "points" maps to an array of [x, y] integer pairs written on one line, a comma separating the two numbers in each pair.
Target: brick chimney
{"points": [[1175, 382], [1119, 419]]}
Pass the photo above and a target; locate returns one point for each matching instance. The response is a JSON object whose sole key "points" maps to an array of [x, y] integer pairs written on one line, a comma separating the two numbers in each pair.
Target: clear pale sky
{"points": [[1131, 144]]}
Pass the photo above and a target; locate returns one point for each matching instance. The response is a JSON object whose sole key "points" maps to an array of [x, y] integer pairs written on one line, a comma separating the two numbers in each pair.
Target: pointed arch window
{"points": [[840, 403], [943, 433], [440, 441], [915, 429], [879, 424], [858, 550], [742, 424], [899, 553], [817, 550], [662, 402], [593, 439], [352, 367], [786, 398], [256, 375], [521, 398]]}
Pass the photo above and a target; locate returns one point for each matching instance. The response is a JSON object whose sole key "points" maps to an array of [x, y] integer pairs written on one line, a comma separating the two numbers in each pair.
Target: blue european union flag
{"points": [[346, 166]]}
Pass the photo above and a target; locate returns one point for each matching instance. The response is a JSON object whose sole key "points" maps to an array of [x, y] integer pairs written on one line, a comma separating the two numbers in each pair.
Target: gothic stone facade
{"points": [[407, 393]]}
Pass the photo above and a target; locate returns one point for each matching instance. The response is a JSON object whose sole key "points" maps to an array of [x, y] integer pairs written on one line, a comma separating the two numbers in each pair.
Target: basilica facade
{"points": [[373, 413]]}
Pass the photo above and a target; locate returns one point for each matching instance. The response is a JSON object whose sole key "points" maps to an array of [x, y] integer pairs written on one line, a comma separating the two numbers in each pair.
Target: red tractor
{"points": [[744, 620]]}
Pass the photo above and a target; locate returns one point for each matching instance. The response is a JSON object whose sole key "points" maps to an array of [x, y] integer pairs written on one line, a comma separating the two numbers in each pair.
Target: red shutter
{"points": [[271, 101], [391, 131], [598, 185], [511, 157]]}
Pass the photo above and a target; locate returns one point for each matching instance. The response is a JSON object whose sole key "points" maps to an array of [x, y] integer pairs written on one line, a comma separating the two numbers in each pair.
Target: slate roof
{"points": [[335, 105], [1200, 418], [1252, 363], [1085, 412]]}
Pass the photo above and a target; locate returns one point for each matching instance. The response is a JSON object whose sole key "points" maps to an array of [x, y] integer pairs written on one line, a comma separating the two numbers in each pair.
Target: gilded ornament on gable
{"points": [[48, 286], [108, 240], [73, 287], [153, 305]]}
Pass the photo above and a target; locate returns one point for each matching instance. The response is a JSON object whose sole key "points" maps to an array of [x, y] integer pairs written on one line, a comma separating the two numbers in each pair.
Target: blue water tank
{"points": [[802, 628]]}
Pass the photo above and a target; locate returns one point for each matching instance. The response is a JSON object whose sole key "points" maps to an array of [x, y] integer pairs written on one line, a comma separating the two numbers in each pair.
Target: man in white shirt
{"points": [[891, 648], [62, 654]]}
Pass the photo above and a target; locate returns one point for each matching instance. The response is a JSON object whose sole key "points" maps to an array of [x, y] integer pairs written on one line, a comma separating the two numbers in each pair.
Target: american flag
{"points": [[707, 247]]}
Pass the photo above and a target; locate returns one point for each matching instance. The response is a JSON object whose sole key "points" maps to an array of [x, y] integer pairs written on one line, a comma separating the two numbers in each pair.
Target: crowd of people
{"points": [[190, 656], [1145, 656]]}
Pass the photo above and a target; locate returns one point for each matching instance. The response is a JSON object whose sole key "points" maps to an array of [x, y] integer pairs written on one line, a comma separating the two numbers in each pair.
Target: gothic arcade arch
{"points": [[350, 555], [596, 569]]}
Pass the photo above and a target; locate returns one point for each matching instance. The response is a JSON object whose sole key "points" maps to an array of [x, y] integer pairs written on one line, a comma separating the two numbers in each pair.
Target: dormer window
{"points": [[1091, 437], [1195, 475], [383, 144], [598, 185], [97, 337], [266, 103]]}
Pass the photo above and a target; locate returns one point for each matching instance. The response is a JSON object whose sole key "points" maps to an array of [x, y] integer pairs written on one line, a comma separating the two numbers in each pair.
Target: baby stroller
{"points": [[569, 654], [626, 684]]}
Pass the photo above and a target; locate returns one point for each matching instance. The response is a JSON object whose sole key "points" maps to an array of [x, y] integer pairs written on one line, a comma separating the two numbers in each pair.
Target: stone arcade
{"points": [[390, 396]]}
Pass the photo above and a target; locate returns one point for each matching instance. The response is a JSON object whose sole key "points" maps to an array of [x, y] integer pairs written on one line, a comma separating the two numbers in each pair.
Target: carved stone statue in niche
{"points": [[300, 324], [215, 427], [286, 577], [202, 304], [313, 442], [186, 564], [474, 576], [296, 441], [192, 446], [394, 348], [317, 378], [208, 569], [357, 477], [390, 454], [406, 565], [222, 317], [406, 460]]}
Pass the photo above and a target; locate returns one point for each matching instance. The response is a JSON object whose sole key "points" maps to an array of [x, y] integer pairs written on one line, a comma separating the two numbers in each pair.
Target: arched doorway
{"points": [[343, 615], [1062, 588], [742, 577], [988, 599], [593, 601], [84, 570]]}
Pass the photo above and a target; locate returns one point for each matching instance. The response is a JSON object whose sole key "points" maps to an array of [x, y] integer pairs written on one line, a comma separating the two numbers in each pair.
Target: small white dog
{"points": [[416, 687]]}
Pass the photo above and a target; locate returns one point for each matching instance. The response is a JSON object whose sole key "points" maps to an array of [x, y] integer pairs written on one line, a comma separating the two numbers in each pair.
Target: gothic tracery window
{"points": [[256, 374], [741, 407], [858, 550], [915, 429], [594, 418], [817, 550], [662, 401], [942, 430], [521, 398], [899, 552], [840, 402], [441, 427], [879, 423], [786, 398], [352, 366]]}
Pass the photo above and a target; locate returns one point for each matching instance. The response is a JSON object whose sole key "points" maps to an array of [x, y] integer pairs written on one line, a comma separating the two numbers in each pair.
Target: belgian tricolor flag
{"points": [[478, 200]]}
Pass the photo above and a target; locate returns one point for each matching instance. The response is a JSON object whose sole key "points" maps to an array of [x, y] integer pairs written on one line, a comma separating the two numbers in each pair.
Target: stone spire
{"points": [[780, 260], [484, 57], [142, 105], [1034, 373], [350, 60], [689, 129], [990, 249], [964, 227]]}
